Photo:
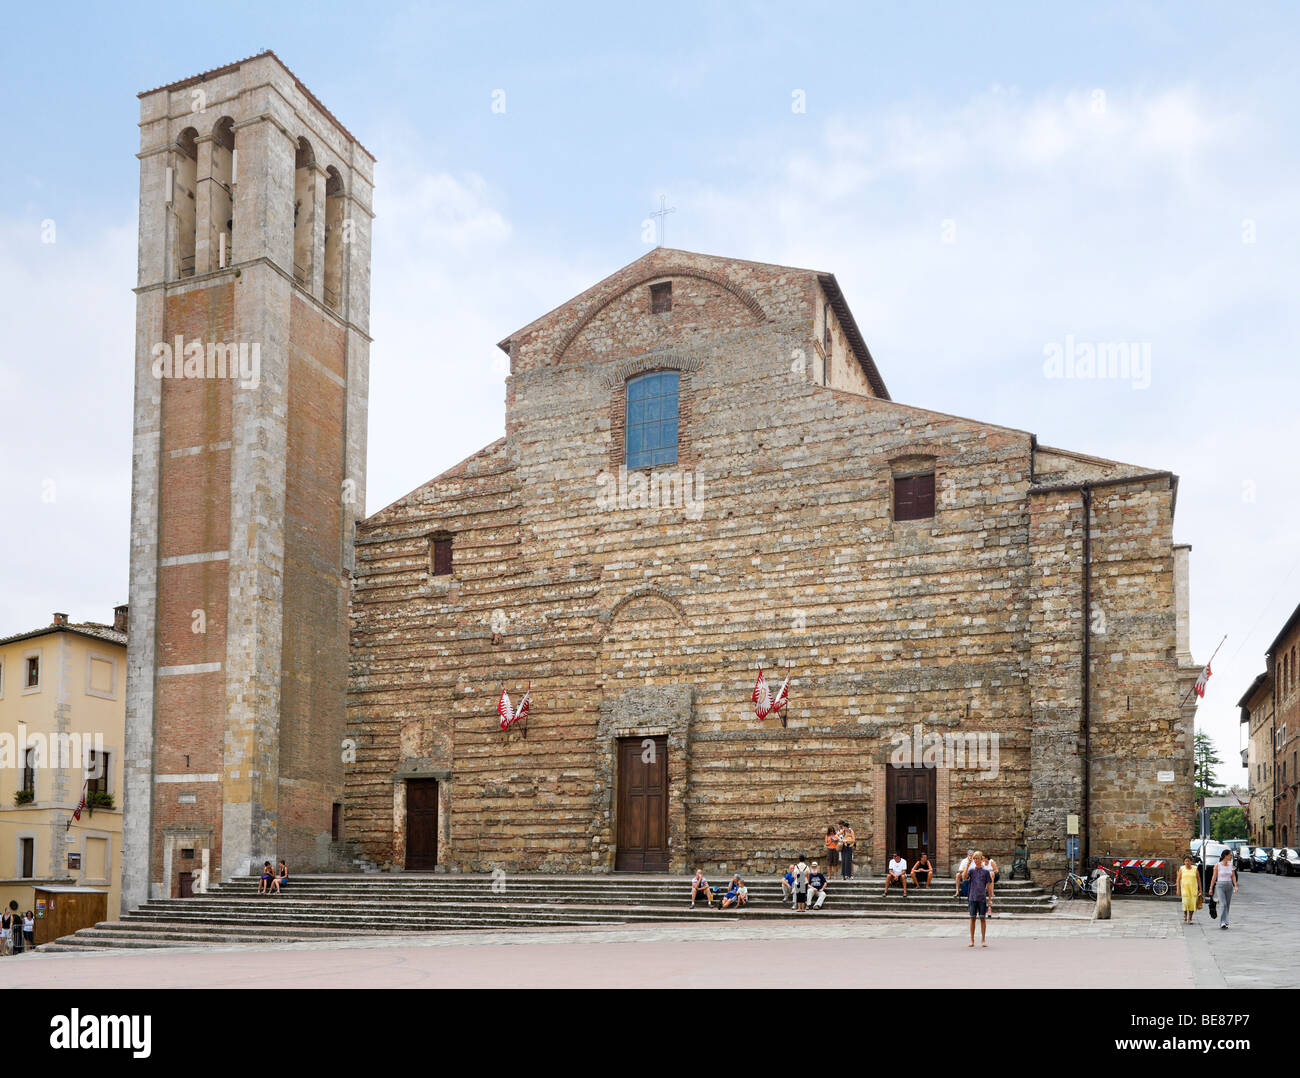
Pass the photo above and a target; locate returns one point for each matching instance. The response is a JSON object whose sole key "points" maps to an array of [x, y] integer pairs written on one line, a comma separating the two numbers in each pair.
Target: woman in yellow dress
{"points": [[1189, 886]]}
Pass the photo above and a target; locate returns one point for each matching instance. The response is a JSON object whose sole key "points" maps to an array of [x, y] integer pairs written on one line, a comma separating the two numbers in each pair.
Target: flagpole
{"points": [[1207, 664]]}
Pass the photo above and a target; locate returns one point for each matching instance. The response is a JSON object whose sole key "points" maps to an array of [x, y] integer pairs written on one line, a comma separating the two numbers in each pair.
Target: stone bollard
{"points": [[1102, 913]]}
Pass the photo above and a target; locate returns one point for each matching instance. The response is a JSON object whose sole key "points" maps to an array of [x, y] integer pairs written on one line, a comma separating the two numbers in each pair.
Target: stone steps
{"points": [[334, 906]]}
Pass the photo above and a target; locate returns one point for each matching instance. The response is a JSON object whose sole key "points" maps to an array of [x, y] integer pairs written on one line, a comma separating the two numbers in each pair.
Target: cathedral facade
{"points": [[703, 474]]}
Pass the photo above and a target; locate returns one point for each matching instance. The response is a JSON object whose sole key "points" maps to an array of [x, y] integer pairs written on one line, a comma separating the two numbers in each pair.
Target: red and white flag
{"points": [[509, 715], [76, 812], [762, 696], [764, 702], [1203, 680], [782, 695]]}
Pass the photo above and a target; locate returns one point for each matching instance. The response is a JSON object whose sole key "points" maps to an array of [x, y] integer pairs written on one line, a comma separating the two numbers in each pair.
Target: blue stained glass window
{"points": [[652, 419]]}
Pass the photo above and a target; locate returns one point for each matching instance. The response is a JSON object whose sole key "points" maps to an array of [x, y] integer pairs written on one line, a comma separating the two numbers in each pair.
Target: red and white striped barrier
{"points": [[1138, 862]]}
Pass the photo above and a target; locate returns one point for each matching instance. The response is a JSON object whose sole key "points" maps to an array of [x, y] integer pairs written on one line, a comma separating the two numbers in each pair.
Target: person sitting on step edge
{"points": [[816, 887], [922, 868], [700, 886], [897, 873]]}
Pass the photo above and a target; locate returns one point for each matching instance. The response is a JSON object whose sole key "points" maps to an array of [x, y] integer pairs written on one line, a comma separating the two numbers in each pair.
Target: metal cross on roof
{"points": [[662, 213]]}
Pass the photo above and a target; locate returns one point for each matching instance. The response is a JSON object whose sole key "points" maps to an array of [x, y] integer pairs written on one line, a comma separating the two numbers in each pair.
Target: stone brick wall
{"points": [[1285, 663], [967, 623]]}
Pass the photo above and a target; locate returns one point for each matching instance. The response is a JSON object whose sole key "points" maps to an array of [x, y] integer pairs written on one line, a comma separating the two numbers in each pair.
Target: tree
{"points": [[1228, 823], [1207, 784]]}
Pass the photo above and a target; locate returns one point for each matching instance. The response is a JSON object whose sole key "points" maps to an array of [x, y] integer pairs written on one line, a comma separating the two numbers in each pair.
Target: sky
{"points": [[989, 187]]}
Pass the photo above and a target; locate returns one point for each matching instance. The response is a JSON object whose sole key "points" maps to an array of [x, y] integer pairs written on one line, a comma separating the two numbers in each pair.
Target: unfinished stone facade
{"points": [[252, 353], [639, 603]]}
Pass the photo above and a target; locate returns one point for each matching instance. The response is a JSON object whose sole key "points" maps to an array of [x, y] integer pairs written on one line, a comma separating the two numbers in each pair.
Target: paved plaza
{"points": [[1143, 946]]}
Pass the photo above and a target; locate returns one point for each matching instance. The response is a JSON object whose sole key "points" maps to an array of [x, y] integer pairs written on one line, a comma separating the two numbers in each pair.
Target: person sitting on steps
{"points": [[737, 894], [897, 872], [280, 879], [922, 868], [816, 887], [700, 886]]}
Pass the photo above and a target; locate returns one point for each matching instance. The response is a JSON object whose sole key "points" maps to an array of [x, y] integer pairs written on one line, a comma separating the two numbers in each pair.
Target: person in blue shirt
{"points": [[787, 884], [736, 894], [979, 895]]}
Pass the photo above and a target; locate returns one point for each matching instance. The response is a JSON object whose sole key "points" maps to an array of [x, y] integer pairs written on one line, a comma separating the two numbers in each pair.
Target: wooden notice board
{"points": [[67, 909]]}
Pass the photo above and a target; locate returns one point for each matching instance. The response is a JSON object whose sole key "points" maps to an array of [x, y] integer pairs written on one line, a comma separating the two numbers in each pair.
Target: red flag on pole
{"points": [[1202, 681], [509, 715], [76, 812]]}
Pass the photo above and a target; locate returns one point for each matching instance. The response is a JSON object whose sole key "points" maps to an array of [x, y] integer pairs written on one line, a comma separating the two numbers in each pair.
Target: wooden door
{"points": [[910, 806], [421, 823], [642, 809], [187, 884]]}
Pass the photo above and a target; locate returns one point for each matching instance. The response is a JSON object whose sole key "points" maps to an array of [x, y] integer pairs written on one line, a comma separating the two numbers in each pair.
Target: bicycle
{"points": [[1157, 885], [1120, 883], [1073, 886]]}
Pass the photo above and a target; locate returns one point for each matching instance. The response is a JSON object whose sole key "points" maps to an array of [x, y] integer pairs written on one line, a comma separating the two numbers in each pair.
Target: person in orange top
{"points": [[832, 851]]}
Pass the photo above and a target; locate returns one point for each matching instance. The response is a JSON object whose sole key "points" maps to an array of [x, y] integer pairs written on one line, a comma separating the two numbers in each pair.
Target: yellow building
{"points": [[62, 733]]}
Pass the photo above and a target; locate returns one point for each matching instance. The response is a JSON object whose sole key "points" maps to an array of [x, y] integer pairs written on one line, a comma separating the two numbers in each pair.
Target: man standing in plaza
{"points": [[979, 895]]}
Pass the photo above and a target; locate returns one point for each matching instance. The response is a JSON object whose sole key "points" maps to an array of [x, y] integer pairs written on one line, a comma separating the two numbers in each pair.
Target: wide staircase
{"points": [[316, 907]]}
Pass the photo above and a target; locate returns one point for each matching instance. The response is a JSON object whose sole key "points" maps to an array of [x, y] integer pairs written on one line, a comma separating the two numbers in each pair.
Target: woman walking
{"points": [[1225, 879], [1189, 886]]}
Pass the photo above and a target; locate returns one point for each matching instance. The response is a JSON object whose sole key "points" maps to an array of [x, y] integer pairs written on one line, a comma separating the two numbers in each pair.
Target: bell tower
{"points": [[251, 369]]}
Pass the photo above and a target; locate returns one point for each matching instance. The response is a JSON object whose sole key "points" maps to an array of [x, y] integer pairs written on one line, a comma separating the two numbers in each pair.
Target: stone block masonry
{"points": [[644, 619]]}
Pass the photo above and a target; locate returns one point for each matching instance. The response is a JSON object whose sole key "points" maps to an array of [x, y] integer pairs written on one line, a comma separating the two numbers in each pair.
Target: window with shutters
{"points": [[97, 774], [440, 555], [914, 496], [29, 772]]}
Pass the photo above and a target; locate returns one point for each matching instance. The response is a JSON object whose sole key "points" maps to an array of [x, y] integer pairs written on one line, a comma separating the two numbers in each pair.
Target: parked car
{"points": [[1241, 859], [1261, 858], [1206, 850], [1286, 862]]}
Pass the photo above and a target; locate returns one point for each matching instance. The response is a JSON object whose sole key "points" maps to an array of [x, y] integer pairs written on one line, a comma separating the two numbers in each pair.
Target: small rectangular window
{"points": [[29, 772], [187, 853], [33, 671], [914, 497], [441, 556], [336, 822], [661, 297], [827, 339], [97, 773]]}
